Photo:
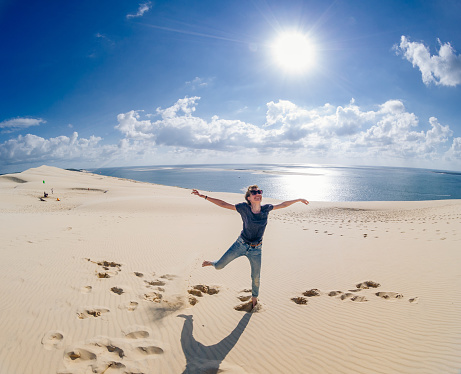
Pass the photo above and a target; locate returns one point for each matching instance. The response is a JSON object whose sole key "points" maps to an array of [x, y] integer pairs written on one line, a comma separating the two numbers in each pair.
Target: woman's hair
{"points": [[247, 194]]}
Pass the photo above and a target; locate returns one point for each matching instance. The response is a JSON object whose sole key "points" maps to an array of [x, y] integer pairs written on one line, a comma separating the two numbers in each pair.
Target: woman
{"points": [[249, 243]]}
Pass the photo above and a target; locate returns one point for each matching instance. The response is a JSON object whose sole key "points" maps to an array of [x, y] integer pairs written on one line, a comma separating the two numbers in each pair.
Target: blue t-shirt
{"points": [[253, 224]]}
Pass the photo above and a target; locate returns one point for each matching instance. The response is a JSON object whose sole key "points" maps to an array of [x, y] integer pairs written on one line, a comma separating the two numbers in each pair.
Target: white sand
{"points": [[58, 316]]}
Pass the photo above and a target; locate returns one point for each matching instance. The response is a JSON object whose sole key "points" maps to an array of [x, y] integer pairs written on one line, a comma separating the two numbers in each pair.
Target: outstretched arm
{"points": [[218, 202], [290, 202]]}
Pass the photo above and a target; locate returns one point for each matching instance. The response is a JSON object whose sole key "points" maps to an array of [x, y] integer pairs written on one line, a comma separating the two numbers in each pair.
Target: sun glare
{"points": [[294, 52]]}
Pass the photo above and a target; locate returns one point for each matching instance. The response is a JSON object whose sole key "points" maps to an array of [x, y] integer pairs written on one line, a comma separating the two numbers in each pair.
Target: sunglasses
{"points": [[256, 192]]}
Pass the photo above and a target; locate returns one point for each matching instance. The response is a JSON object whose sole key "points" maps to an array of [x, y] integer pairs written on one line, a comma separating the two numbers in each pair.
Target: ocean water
{"points": [[313, 182]]}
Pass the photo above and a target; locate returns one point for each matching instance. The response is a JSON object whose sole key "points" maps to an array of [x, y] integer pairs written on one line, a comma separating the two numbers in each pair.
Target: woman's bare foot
{"points": [[207, 263], [255, 301]]}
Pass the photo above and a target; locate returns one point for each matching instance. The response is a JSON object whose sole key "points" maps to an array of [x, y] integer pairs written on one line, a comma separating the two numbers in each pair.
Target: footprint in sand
{"points": [[199, 290], [155, 297], [168, 276], [150, 350], [106, 274], [156, 282], [154, 294], [79, 354], [109, 268], [137, 334], [312, 292], [244, 307], [247, 306], [104, 367], [368, 284], [244, 297], [365, 286], [352, 297], [52, 340], [86, 289], [302, 300], [131, 306], [350, 294], [299, 300], [117, 350], [91, 312], [389, 295], [117, 290], [132, 353], [192, 300]]}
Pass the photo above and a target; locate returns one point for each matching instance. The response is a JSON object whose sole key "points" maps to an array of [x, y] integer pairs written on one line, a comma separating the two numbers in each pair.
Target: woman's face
{"points": [[255, 196]]}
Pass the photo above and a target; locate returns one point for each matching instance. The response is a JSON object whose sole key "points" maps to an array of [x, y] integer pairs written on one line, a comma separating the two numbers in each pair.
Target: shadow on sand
{"points": [[207, 359]]}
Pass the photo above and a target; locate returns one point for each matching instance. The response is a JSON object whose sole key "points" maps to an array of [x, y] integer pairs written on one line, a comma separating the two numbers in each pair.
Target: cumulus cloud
{"points": [[143, 8], [31, 148], [454, 153], [393, 135], [328, 130], [388, 131], [177, 127], [326, 121], [442, 69], [20, 123]]}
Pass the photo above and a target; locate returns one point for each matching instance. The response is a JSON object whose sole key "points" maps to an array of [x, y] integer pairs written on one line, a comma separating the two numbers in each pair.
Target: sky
{"points": [[102, 83]]}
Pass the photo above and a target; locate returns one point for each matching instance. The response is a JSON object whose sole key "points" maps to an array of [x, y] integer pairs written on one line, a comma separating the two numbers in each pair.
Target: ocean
{"points": [[312, 182]]}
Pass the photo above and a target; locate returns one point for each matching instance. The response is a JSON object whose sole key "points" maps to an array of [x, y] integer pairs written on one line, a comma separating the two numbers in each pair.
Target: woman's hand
{"points": [[304, 201], [195, 192]]}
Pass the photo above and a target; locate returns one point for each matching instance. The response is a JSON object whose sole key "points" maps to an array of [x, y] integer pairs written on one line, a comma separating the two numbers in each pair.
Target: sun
{"points": [[294, 52]]}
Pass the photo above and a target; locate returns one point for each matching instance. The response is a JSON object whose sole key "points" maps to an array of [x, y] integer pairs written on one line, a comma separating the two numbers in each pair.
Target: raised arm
{"points": [[290, 202], [218, 202]]}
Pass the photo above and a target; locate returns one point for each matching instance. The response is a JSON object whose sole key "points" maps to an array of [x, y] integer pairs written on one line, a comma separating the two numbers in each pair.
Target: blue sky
{"points": [[117, 83]]}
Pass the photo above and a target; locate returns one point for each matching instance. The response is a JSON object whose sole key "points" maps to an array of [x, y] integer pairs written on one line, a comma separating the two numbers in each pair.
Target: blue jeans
{"points": [[240, 248]]}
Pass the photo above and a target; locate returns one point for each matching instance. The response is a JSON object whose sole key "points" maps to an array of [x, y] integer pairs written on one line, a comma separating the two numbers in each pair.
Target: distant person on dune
{"points": [[249, 243]]}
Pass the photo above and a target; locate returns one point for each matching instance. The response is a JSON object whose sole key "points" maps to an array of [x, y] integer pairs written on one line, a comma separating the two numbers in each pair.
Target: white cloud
{"points": [[327, 130], [325, 121], [454, 153], [198, 82], [143, 8], [130, 125], [20, 123], [31, 148], [393, 136], [442, 69], [105, 39], [179, 128], [186, 105], [348, 133]]}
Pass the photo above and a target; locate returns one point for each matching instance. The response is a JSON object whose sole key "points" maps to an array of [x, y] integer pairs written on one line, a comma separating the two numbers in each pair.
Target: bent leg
{"points": [[236, 250]]}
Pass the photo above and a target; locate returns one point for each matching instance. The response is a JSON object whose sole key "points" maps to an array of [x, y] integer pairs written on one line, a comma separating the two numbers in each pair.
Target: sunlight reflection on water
{"points": [[312, 182]]}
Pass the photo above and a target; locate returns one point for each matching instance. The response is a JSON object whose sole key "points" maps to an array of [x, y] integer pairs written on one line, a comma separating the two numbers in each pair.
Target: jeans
{"points": [[240, 248]]}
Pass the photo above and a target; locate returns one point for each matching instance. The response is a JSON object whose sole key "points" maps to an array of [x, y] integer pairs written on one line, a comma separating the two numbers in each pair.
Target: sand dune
{"points": [[104, 276]]}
